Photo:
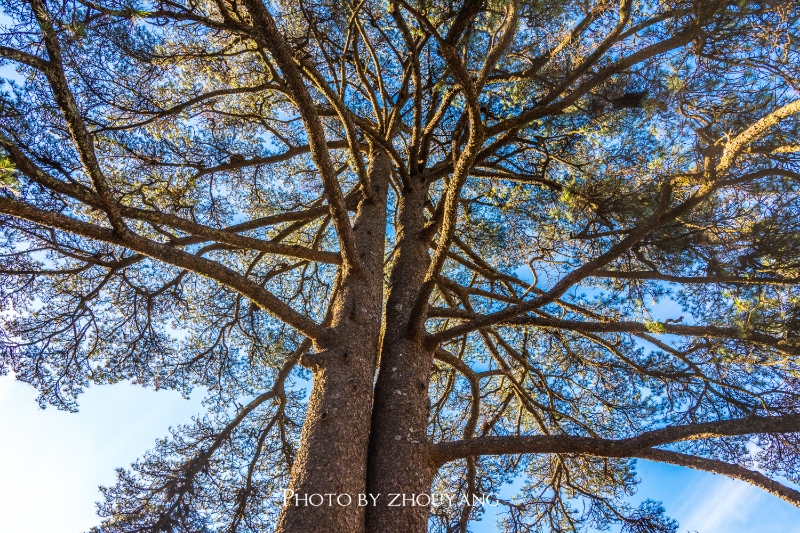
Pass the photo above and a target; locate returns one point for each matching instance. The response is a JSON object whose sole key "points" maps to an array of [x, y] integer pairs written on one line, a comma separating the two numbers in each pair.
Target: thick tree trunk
{"points": [[333, 449], [398, 461]]}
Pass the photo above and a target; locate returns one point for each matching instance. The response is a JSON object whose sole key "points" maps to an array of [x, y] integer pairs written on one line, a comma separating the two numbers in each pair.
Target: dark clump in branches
{"points": [[465, 227], [630, 100]]}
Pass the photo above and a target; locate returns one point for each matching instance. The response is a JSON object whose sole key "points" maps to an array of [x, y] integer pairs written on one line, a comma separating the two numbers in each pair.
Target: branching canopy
{"points": [[612, 212]]}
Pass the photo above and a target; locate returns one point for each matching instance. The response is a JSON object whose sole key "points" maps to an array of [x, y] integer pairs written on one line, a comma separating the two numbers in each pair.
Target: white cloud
{"points": [[708, 503], [51, 462], [722, 505], [717, 505]]}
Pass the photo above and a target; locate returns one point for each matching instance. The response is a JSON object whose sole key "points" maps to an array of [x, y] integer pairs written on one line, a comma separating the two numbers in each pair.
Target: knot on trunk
{"points": [[322, 359], [314, 360]]}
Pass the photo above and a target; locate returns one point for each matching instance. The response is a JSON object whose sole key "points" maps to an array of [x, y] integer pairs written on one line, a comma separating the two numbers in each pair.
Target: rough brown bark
{"points": [[333, 448], [398, 460]]}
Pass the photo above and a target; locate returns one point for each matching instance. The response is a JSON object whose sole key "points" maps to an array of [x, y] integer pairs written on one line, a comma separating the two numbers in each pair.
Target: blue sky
{"points": [[52, 462], [702, 502]]}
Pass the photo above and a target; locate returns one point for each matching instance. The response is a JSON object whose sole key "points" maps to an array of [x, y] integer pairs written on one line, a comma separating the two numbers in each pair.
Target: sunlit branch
{"points": [[613, 326], [261, 161], [178, 108], [734, 146], [284, 57], [628, 447], [567, 281], [722, 280], [69, 107], [195, 464], [200, 231], [172, 256]]}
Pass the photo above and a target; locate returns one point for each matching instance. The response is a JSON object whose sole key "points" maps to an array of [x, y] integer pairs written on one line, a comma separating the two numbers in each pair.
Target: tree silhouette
{"points": [[463, 222]]}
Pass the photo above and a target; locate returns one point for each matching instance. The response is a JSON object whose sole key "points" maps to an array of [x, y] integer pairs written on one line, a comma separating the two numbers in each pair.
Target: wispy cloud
{"points": [[716, 505], [721, 505]]}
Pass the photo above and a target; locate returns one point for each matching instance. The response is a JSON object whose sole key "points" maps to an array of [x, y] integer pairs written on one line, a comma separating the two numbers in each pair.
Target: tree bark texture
{"points": [[398, 462], [333, 457], [333, 447]]}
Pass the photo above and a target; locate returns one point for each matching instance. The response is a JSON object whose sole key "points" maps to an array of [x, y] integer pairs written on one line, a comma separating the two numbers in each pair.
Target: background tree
{"points": [[460, 220]]}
